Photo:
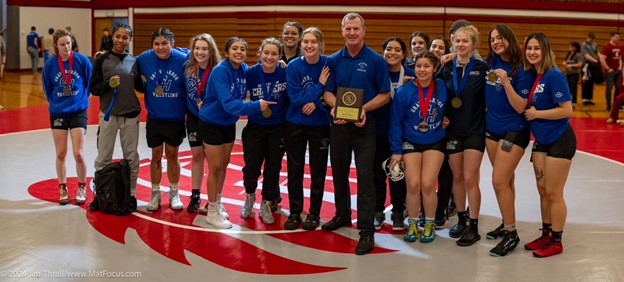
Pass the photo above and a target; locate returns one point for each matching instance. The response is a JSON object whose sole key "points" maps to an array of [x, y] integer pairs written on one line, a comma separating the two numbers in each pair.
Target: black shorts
{"points": [[564, 148], [158, 132], [458, 144], [69, 122], [216, 135], [409, 147], [192, 128], [518, 138]]}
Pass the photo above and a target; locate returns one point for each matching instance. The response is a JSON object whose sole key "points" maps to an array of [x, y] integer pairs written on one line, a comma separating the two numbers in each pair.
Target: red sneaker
{"points": [[550, 249], [537, 243]]}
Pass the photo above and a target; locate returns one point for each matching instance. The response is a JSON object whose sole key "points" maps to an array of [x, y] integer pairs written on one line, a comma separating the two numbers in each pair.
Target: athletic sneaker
{"points": [[451, 209], [457, 230], [64, 198], [549, 249], [195, 201], [293, 222], [429, 233], [174, 199], [216, 219], [469, 237], [265, 212], [537, 243], [412, 231], [440, 222], [507, 245], [154, 204], [496, 233], [311, 223], [81, 195], [398, 221], [250, 200], [222, 210], [379, 220]]}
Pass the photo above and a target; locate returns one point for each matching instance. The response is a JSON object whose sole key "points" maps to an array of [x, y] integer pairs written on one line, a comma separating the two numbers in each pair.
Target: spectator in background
{"points": [[106, 44], [32, 45], [73, 38], [573, 63], [2, 57], [611, 62], [47, 44], [591, 69]]}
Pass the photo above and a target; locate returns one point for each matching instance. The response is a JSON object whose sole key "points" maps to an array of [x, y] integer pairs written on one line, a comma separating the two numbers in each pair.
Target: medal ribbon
{"points": [[202, 84], [458, 88], [399, 83], [537, 81], [62, 68], [422, 99], [110, 107]]}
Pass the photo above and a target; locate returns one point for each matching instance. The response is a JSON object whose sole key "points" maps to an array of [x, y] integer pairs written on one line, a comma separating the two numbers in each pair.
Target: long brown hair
{"points": [[513, 52], [191, 65]]}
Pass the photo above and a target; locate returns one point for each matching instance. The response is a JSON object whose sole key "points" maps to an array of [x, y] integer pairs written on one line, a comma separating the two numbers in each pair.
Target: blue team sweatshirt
{"points": [[225, 93], [274, 89], [54, 83], [304, 87]]}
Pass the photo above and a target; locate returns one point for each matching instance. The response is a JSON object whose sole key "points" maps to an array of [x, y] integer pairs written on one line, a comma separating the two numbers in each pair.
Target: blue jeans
{"points": [[612, 79], [34, 55]]}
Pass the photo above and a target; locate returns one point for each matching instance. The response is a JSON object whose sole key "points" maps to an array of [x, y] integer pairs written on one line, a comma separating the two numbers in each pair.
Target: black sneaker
{"points": [[451, 209], [468, 238], [398, 221], [94, 206], [496, 233], [336, 222], [507, 245], [457, 230], [195, 201], [439, 222], [379, 220], [311, 222], [293, 222], [365, 245]]}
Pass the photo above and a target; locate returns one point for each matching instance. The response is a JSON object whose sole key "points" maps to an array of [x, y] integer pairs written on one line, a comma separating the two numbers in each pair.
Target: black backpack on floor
{"points": [[112, 188]]}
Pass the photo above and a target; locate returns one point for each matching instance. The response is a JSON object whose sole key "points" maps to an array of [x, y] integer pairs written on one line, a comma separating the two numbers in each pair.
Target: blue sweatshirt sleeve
{"points": [[299, 95], [395, 131], [230, 102], [46, 80]]}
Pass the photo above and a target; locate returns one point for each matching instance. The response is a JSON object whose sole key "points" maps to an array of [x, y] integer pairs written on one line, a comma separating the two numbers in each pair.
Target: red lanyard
{"points": [[202, 84], [537, 81], [424, 102], [62, 68]]}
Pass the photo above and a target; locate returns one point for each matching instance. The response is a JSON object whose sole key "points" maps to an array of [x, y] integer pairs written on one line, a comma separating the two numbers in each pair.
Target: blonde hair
{"points": [[472, 32], [319, 37], [191, 65]]}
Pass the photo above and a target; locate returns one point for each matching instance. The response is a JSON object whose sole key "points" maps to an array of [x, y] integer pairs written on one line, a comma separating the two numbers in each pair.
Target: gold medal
{"points": [[456, 102], [492, 77], [113, 83], [423, 127], [67, 91], [267, 113], [159, 91]]}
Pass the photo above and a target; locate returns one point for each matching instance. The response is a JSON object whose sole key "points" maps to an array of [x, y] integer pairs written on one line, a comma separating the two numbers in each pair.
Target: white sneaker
{"points": [[222, 211], [154, 204], [64, 198], [217, 220], [247, 208], [265, 212], [174, 200], [81, 195]]}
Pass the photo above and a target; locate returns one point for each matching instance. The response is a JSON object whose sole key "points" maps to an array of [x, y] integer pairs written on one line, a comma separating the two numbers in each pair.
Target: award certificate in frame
{"points": [[349, 104]]}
